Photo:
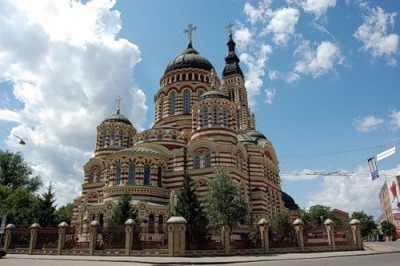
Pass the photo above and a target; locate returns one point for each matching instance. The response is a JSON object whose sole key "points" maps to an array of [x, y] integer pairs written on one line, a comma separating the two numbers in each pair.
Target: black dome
{"points": [[256, 134], [189, 58], [117, 118], [289, 202]]}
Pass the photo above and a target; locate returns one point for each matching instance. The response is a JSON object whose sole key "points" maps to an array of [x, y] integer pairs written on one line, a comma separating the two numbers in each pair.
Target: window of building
{"points": [[151, 223], [173, 137], [172, 103], [215, 116], [161, 107], [146, 138], [160, 136], [146, 175], [186, 102], [159, 176], [160, 223], [112, 138], [199, 93], [131, 174], [121, 138], [196, 161], [117, 180], [104, 138], [91, 177], [225, 119], [232, 95], [96, 177], [207, 160], [205, 117]]}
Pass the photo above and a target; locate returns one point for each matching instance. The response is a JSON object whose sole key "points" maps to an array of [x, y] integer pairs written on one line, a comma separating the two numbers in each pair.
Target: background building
{"points": [[201, 121], [390, 204]]}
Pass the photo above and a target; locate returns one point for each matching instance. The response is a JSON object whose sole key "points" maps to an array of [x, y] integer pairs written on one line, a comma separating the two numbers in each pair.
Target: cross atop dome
{"points": [[189, 31], [118, 104], [230, 27]]}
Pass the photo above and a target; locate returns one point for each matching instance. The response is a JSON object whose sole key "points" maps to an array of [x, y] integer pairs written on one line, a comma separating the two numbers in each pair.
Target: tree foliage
{"points": [[123, 211], [368, 225], [15, 172], [224, 203], [47, 209], [189, 207], [387, 228], [318, 214], [64, 213], [281, 230]]}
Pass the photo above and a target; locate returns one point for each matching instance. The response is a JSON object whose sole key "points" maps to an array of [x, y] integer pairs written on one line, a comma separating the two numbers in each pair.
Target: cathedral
{"points": [[201, 122]]}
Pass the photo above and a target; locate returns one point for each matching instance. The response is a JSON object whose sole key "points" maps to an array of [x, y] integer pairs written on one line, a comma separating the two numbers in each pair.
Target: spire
{"points": [[189, 31], [231, 60]]}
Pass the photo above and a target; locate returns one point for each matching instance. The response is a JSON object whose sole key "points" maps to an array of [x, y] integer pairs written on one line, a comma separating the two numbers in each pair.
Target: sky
{"points": [[322, 77]]}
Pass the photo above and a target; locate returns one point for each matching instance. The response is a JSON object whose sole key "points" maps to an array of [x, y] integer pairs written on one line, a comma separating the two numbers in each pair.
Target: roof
{"points": [[189, 58], [117, 118]]}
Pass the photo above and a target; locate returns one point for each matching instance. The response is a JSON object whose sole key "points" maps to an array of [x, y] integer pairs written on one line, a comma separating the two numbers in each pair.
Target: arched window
{"points": [[101, 219], [131, 174], [215, 115], [121, 138], [172, 103], [112, 138], [96, 176], [162, 107], [91, 177], [196, 161], [117, 180], [199, 93], [160, 223], [146, 175], [205, 117], [104, 138], [186, 102], [207, 160], [159, 176], [151, 223], [232, 95], [225, 117]]}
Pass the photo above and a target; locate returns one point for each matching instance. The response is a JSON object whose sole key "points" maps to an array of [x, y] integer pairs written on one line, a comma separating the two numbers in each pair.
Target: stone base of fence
{"points": [[33, 241]]}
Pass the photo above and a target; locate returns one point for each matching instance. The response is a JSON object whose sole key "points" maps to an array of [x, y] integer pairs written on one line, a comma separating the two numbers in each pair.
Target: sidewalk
{"points": [[369, 249]]}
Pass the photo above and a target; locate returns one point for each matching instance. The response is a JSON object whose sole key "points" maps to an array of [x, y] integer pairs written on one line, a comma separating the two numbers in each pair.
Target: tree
{"points": [[368, 225], [318, 214], [15, 173], [189, 207], [47, 209], [64, 213], [281, 231], [123, 211], [225, 206], [387, 228], [20, 206]]}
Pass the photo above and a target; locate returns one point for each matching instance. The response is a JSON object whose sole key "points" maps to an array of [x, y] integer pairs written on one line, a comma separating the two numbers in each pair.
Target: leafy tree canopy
{"points": [[387, 228], [318, 214], [224, 203], [15, 173], [367, 222], [123, 211], [64, 213]]}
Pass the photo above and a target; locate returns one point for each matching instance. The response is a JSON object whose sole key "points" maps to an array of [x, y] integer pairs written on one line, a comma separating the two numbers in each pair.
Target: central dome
{"points": [[189, 58]]}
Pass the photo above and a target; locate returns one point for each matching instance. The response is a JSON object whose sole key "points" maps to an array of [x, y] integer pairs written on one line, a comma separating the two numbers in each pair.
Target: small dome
{"points": [[256, 134], [189, 58], [213, 94], [289, 202], [117, 118]]}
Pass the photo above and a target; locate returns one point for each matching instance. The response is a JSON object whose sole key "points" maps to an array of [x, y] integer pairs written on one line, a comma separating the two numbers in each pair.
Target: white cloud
{"points": [[255, 15], [373, 33], [317, 7], [394, 123], [66, 77], [282, 24], [270, 95], [273, 75], [243, 37], [354, 192], [318, 62], [256, 66], [368, 123]]}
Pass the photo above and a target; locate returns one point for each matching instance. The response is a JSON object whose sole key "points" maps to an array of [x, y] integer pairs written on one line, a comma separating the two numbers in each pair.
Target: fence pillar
{"points": [[34, 233], [356, 229], [225, 238], [129, 229], [176, 236], [263, 224], [93, 228], [330, 230], [61, 236], [299, 227], [8, 236]]}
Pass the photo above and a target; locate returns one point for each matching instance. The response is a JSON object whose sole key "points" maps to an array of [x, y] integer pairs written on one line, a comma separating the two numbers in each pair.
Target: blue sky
{"points": [[322, 77]]}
